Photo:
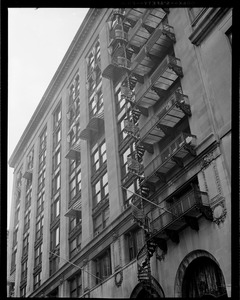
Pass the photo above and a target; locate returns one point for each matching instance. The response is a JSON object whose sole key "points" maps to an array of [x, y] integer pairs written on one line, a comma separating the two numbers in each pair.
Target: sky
{"points": [[37, 42]]}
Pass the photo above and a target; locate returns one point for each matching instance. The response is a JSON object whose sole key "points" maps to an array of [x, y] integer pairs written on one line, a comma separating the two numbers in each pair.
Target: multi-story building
{"points": [[122, 176]]}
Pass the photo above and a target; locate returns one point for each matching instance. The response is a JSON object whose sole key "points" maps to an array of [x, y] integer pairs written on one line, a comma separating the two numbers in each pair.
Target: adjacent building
{"points": [[122, 176]]}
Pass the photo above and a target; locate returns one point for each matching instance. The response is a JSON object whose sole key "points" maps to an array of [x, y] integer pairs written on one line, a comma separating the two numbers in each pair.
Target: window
{"points": [[99, 155], [134, 241], [25, 244], [57, 117], [37, 280], [41, 179], [39, 225], [55, 209], [16, 216], [15, 237], [96, 104], [56, 159], [40, 202], [27, 220], [122, 108], [133, 187], [76, 286], [73, 222], [56, 183], [30, 160], [13, 261], [124, 156], [101, 220], [55, 237], [56, 138], [42, 159], [28, 197], [103, 266], [74, 245], [23, 291], [75, 179], [24, 270], [38, 255], [54, 264], [100, 189], [43, 140]]}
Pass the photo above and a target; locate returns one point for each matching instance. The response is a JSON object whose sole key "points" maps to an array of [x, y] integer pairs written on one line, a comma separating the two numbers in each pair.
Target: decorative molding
{"points": [[219, 212], [115, 236], [118, 278], [206, 24], [206, 160], [218, 182]]}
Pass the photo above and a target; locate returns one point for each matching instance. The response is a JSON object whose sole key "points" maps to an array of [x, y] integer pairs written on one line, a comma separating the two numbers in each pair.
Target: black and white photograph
{"points": [[119, 152]]}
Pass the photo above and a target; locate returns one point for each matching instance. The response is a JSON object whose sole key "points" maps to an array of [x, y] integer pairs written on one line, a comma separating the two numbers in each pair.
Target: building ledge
{"points": [[206, 24]]}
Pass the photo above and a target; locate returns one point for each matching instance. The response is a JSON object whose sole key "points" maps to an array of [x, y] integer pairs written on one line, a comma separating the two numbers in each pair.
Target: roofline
{"points": [[64, 66]]}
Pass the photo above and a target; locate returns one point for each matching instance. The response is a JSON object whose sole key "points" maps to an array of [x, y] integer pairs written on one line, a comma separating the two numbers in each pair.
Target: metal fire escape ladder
{"points": [[147, 251]]}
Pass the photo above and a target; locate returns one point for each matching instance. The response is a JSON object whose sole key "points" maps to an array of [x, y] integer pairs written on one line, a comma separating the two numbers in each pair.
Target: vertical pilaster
{"points": [[64, 179], [111, 134], [87, 225], [47, 203], [32, 230], [20, 236]]}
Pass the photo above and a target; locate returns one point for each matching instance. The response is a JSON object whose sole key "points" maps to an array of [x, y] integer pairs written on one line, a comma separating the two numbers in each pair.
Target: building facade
{"points": [[122, 176]]}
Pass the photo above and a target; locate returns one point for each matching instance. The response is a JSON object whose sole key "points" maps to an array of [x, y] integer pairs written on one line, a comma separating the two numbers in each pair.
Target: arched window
{"points": [[202, 278]]}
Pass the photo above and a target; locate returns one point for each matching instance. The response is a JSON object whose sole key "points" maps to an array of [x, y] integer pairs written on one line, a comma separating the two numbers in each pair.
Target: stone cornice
{"points": [[206, 23], [56, 81]]}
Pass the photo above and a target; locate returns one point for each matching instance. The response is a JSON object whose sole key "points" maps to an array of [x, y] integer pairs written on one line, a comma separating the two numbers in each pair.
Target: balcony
{"points": [[117, 34], [185, 211], [74, 152], [156, 86], [119, 64], [28, 174], [94, 126], [143, 23], [134, 166], [75, 210], [153, 50], [173, 110], [174, 154]]}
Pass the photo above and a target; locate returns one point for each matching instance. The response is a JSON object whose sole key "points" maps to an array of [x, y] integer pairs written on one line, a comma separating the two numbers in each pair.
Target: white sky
{"points": [[37, 42]]}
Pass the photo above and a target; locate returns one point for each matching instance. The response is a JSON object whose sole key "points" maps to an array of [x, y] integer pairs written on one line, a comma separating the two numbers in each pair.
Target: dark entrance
{"points": [[203, 278]]}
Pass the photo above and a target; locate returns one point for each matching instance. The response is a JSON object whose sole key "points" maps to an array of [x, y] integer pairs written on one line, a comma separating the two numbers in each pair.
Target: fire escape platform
{"points": [[170, 114], [189, 206], [162, 78], [152, 50], [75, 210], [173, 154], [150, 18], [74, 152], [93, 126]]}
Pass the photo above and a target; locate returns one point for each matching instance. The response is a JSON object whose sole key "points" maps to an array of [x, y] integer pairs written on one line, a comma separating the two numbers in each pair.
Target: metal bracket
{"points": [[192, 222], [185, 108], [190, 149], [173, 235], [178, 161]]}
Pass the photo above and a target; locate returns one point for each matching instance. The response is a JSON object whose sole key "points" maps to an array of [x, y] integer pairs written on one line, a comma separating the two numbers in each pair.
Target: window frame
{"points": [[78, 288], [101, 191], [100, 267]]}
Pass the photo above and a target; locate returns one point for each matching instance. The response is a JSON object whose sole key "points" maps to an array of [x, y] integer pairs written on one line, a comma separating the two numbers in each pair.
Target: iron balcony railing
{"points": [[154, 87], [192, 204], [174, 153], [171, 112]]}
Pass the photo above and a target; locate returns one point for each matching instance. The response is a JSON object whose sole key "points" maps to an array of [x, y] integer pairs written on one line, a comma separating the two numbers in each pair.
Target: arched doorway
{"points": [[142, 290], [199, 276]]}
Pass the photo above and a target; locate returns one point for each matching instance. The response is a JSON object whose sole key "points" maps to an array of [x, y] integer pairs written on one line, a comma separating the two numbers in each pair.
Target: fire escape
{"points": [[142, 59]]}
